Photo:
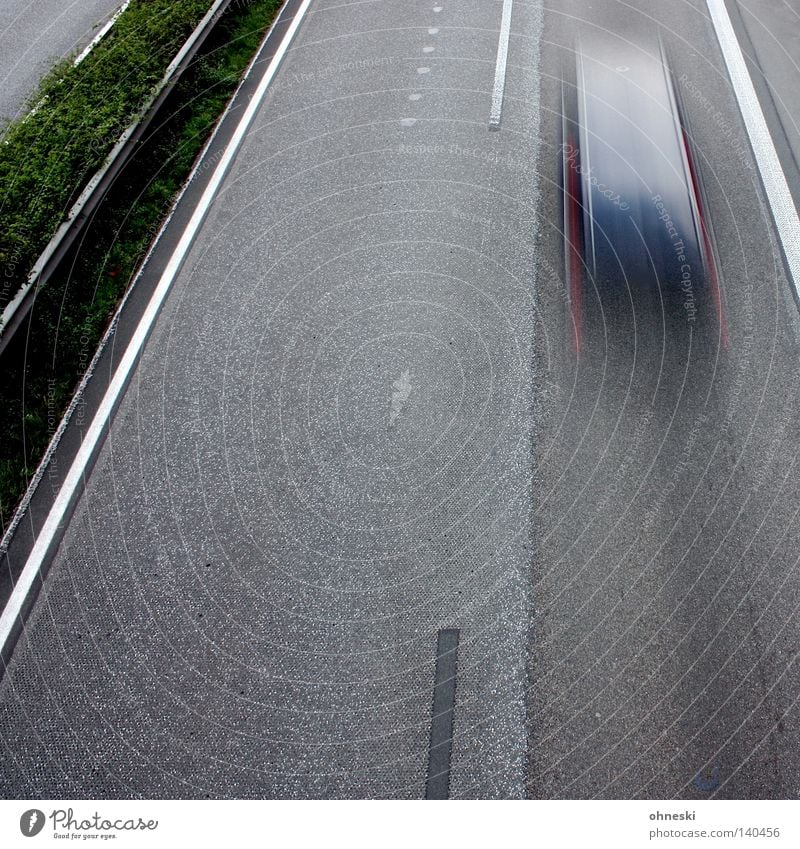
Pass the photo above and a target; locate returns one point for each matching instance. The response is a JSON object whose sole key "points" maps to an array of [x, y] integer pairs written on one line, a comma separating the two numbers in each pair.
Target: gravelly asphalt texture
{"points": [[665, 641], [359, 420], [324, 457], [773, 30], [34, 34]]}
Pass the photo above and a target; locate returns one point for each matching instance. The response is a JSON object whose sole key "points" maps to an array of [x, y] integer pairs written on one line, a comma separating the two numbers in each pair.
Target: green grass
{"points": [[79, 112], [40, 372]]}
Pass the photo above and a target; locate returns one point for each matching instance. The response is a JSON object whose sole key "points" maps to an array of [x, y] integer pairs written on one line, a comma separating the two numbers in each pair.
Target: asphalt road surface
{"points": [[664, 648], [359, 420], [773, 31], [34, 34]]}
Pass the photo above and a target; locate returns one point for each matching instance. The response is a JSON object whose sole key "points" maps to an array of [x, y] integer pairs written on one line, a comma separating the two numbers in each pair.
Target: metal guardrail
{"points": [[92, 195]]}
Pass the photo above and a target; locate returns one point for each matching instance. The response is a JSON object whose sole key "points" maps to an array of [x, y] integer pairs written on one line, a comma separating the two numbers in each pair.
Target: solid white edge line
{"points": [[777, 191], [101, 34], [61, 504], [500, 67]]}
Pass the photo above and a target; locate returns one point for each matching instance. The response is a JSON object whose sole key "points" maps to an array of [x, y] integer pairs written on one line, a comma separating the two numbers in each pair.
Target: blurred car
{"points": [[633, 204]]}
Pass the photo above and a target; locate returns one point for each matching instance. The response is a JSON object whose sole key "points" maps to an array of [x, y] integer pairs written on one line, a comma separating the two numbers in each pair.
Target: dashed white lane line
{"points": [[77, 470], [500, 67], [779, 197]]}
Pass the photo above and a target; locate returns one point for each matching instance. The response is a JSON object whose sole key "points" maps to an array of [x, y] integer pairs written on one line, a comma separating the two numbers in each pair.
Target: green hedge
{"points": [[79, 112], [41, 369]]}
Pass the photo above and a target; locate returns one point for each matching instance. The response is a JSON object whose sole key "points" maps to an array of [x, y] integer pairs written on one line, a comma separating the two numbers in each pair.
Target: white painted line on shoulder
{"points": [[100, 34], [500, 67], [779, 197], [58, 511]]}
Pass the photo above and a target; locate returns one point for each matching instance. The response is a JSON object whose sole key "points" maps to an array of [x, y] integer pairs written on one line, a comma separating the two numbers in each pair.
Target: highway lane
{"points": [[665, 640], [359, 420], [324, 456], [34, 34]]}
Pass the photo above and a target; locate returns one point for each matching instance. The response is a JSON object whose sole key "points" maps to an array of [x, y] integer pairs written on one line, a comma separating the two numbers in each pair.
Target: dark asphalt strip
{"points": [[437, 785]]}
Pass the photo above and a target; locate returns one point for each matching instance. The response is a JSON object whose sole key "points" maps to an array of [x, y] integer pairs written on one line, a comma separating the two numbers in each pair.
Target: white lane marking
{"points": [[500, 68], [100, 34], [423, 70], [428, 48], [776, 188], [433, 30], [414, 96], [78, 468]]}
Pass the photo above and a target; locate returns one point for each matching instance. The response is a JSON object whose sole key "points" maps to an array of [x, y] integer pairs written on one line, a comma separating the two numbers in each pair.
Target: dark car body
{"points": [[633, 208]]}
